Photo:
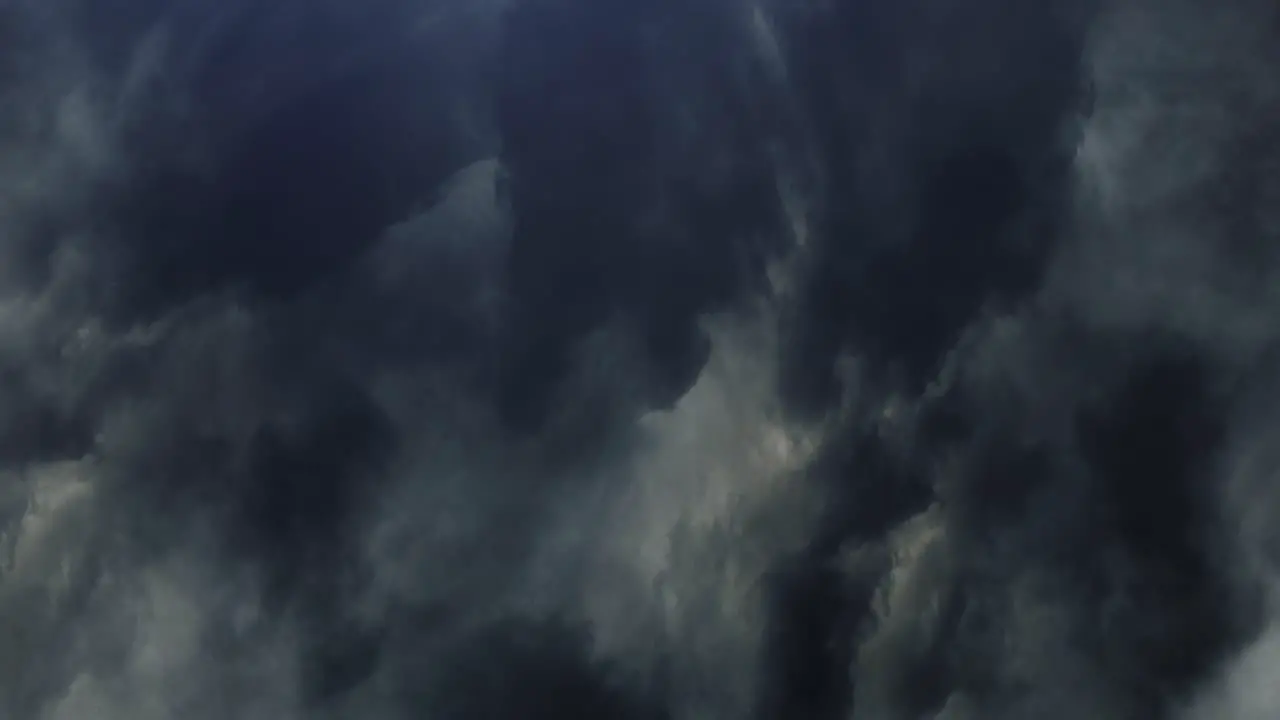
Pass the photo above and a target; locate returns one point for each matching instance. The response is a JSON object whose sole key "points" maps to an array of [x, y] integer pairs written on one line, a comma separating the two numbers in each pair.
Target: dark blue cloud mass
{"points": [[638, 359]]}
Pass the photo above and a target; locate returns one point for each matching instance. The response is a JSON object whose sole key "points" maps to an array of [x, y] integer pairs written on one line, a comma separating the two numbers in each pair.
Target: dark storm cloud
{"points": [[647, 193], [947, 131], [646, 360], [1086, 566]]}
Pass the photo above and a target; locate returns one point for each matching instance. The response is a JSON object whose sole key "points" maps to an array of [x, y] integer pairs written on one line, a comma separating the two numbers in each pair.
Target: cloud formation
{"points": [[551, 358]]}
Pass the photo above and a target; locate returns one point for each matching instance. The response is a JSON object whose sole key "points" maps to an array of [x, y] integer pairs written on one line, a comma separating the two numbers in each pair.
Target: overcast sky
{"points": [[639, 359]]}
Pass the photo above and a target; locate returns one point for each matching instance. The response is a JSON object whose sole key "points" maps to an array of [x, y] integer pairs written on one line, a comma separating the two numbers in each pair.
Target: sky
{"points": [[639, 359]]}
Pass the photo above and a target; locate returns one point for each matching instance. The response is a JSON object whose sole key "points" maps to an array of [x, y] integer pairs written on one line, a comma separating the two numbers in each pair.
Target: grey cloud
{"points": [[789, 399]]}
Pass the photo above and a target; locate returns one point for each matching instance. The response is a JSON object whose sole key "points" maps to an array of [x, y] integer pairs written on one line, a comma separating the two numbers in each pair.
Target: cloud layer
{"points": [[653, 360]]}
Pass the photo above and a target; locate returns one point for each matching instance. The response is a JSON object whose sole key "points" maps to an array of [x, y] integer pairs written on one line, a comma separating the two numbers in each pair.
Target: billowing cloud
{"points": [[552, 358]]}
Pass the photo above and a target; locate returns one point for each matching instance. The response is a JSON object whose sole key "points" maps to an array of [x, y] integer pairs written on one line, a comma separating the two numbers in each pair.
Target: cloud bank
{"points": [[653, 360]]}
